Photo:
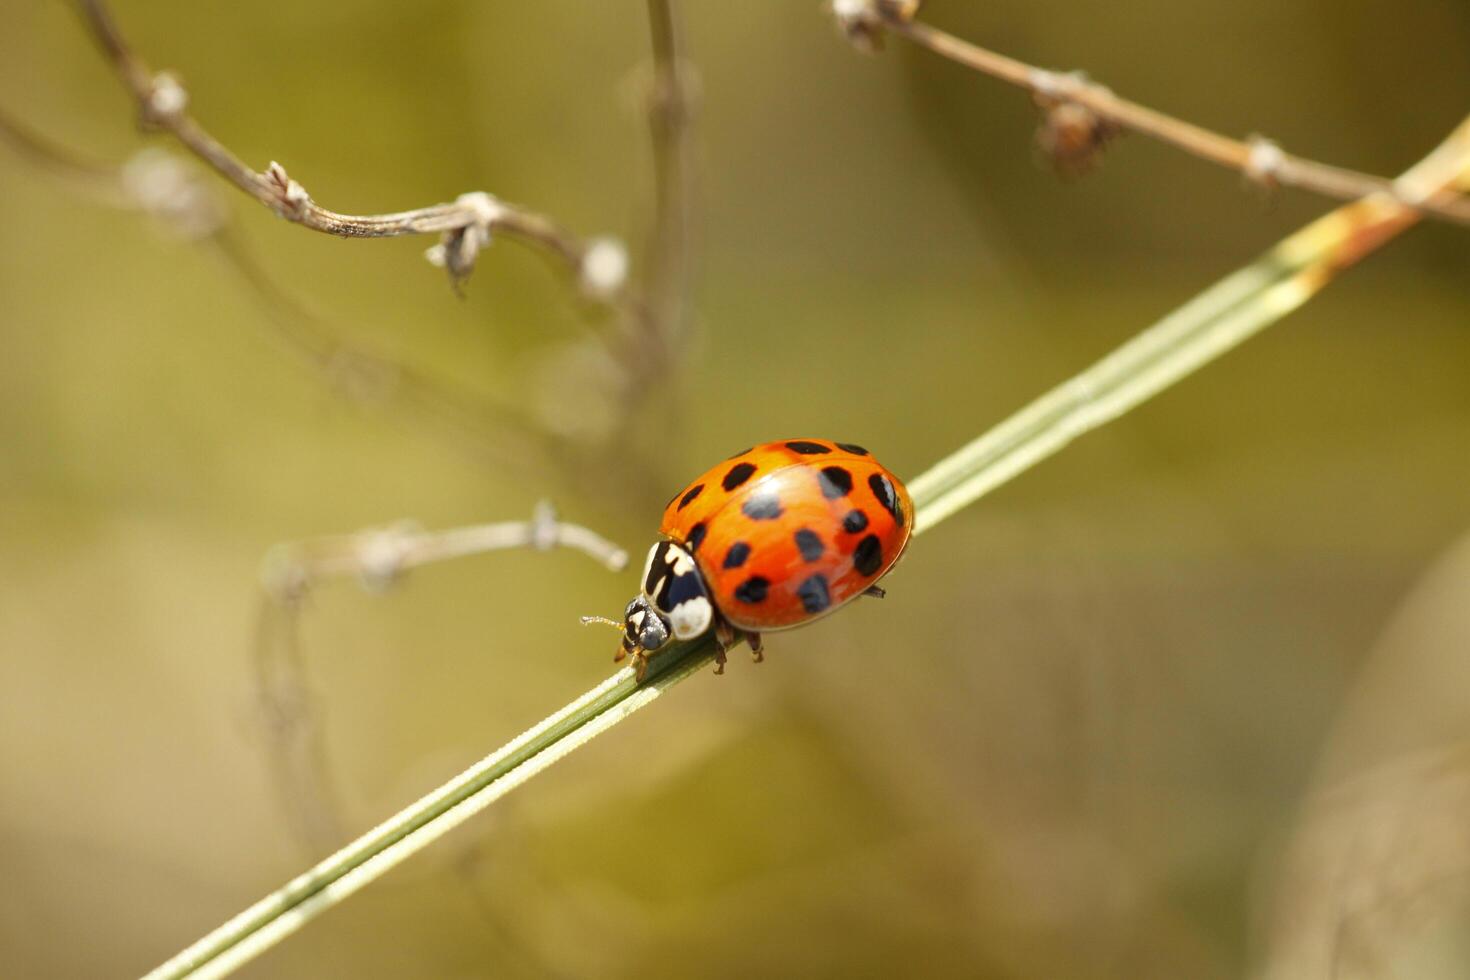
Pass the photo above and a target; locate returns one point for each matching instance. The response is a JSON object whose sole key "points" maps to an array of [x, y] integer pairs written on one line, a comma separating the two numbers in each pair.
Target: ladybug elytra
{"points": [[774, 537]]}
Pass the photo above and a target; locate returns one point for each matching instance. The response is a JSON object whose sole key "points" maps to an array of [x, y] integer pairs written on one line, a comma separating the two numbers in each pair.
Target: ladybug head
{"points": [[643, 627], [673, 603]]}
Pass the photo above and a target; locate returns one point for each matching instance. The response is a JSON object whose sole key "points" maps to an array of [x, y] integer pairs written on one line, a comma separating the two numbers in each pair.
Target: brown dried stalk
{"points": [[378, 558], [643, 337], [464, 226], [173, 191], [91, 176], [1258, 159], [671, 108]]}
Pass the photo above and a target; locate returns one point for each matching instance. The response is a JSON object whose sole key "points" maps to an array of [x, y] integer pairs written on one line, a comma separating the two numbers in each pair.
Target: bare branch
{"points": [[1258, 159], [672, 104], [93, 176], [173, 191], [378, 557], [465, 225]]}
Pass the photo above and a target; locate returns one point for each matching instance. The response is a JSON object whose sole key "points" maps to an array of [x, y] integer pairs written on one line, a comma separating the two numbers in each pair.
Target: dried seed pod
{"points": [[862, 21], [1071, 136]]}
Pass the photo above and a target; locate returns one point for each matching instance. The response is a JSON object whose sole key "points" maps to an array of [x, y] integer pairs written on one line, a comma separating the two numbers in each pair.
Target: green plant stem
{"points": [[1216, 320], [1223, 316], [285, 910]]}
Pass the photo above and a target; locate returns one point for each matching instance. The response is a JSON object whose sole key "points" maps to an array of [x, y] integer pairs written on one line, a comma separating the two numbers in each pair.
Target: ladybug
{"points": [[774, 537]]}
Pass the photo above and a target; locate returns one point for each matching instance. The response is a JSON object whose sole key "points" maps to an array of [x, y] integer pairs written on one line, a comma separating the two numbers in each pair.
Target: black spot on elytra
{"points": [[807, 448], [854, 522], [738, 474], [883, 490], [868, 557], [762, 506], [689, 495], [741, 453], [834, 481], [696, 537], [735, 557], [814, 594], [848, 447], [809, 544], [753, 589]]}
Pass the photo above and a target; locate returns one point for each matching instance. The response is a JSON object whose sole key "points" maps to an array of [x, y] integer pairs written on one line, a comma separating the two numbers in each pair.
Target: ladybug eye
{"points": [[654, 635], [643, 626]]}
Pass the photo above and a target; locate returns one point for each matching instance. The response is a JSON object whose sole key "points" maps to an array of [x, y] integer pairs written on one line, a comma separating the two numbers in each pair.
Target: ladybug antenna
{"points": [[589, 620]]}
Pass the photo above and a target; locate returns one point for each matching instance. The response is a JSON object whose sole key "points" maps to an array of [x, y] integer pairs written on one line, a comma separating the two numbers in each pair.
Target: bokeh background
{"points": [[1188, 700]]}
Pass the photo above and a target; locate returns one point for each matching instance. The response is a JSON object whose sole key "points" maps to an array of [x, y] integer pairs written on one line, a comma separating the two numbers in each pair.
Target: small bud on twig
{"points": [[292, 197], [862, 21], [604, 268], [284, 575], [383, 553], [165, 101], [543, 527], [459, 247], [1264, 162], [859, 22], [1070, 135]]}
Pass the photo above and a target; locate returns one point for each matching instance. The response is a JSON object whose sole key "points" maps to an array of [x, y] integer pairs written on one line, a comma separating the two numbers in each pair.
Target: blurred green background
{"points": [[1076, 740]]}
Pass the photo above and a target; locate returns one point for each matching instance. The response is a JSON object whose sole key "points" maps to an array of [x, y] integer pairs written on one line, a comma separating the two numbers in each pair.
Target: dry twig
{"points": [[465, 225], [672, 105], [93, 176], [377, 558], [1258, 159], [645, 335], [172, 190], [640, 337]]}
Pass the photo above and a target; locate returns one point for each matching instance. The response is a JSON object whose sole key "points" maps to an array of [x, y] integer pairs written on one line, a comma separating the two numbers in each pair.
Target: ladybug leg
{"points": [[757, 648], [640, 666], [725, 638], [875, 592]]}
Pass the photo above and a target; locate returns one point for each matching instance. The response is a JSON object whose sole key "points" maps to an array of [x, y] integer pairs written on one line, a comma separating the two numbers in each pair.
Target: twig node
{"points": [[860, 22], [382, 554], [166, 100], [284, 576], [543, 527], [459, 247], [1264, 162], [1058, 86], [604, 268], [293, 201]]}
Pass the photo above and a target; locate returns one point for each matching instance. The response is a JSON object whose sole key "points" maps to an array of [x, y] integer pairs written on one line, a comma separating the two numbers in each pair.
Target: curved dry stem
{"points": [[380, 556], [170, 190], [1259, 160], [91, 176], [465, 225], [672, 104], [377, 558], [1201, 330]]}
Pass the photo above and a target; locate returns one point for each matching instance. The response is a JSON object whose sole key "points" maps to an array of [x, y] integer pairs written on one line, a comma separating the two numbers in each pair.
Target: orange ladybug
{"points": [[776, 536]]}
